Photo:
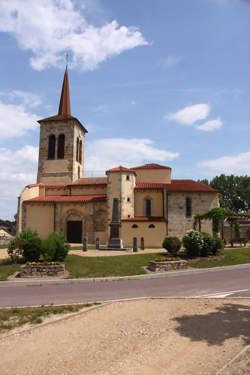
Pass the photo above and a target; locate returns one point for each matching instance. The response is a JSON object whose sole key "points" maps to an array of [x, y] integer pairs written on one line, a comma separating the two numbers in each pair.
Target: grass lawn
{"points": [[4, 246], [231, 257], [124, 265], [16, 317], [7, 269]]}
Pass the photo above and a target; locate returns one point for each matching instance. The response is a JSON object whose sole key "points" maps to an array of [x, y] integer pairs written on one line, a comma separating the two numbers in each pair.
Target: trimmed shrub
{"points": [[193, 243], [172, 245], [30, 243], [218, 245], [54, 248], [209, 243]]}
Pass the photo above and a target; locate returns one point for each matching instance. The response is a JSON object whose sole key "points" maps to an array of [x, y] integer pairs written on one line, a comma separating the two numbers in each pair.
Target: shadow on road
{"points": [[228, 321]]}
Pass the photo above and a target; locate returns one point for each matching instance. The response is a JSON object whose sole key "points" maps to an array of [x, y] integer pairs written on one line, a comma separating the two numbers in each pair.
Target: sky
{"points": [[153, 81]]}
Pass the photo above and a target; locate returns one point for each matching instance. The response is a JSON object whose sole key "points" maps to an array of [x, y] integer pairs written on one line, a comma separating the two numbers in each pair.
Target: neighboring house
{"points": [[143, 201], [5, 236]]}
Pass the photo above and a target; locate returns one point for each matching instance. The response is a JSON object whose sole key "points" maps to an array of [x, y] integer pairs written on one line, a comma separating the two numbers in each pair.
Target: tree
{"points": [[235, 191]]}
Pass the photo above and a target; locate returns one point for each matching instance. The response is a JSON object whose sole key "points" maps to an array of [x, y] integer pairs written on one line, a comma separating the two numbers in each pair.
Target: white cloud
{"points": [[25, 97], [18, 168], [15, 121], [49, 28], [234, 164], [133, 102], [103, 154], [210, 125], [170, 61], [190, 115]]}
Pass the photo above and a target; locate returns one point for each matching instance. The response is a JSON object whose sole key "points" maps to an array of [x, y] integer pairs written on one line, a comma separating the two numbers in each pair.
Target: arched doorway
{"points": [[74, 231]]}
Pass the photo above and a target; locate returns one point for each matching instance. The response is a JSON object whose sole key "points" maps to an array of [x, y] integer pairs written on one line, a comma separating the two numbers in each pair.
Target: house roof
{"points": [[144, 218], [120, 169], [178, 186], [152, 166], [90, 181], [68, 198]]}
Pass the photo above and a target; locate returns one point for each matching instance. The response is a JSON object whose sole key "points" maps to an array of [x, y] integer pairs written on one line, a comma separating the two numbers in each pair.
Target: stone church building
{"points": [[143, 201]]}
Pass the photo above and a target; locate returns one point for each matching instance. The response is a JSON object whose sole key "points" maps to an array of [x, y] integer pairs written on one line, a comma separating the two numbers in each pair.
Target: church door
{"points": [[74, 231]]}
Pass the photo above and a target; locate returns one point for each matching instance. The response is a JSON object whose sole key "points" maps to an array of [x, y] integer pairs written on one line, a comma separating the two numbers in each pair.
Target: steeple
{"points": [[64, 106]]}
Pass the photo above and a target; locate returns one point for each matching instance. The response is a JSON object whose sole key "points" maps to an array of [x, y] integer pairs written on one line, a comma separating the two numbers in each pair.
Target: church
{"points": [[142, 202]]}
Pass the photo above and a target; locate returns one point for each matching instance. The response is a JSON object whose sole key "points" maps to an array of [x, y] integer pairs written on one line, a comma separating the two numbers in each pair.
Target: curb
{"points": [[121, 278]]}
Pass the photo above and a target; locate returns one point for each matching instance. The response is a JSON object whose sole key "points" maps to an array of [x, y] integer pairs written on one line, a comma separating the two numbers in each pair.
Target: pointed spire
{"points": [[64, 106]]}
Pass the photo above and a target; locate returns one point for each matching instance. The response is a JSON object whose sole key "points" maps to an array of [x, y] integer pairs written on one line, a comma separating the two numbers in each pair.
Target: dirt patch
{"points": [[149, 337]]}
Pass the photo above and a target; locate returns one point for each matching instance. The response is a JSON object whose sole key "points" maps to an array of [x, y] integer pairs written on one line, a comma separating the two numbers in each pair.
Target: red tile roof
{"points": [[144, 218], [152, 166], [120, 169], [91, 181], [69, 198], [178, 186]]}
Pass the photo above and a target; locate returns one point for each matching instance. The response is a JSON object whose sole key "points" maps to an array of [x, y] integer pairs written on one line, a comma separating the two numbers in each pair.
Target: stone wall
{"points": [[178, 223]]}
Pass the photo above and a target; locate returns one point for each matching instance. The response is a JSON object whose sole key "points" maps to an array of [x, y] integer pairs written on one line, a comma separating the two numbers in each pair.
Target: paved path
{"points": [[232, 281]]}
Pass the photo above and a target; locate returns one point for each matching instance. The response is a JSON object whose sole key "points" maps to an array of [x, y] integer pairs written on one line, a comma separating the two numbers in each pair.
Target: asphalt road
{"points": [[226, 282]]}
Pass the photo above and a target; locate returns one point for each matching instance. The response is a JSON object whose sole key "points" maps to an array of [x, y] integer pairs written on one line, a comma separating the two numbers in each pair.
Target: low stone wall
{"points": [[170, 265], [42, 270]]}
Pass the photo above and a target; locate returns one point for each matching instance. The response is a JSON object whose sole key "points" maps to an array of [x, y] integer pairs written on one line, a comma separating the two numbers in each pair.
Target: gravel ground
{"points": [[147, 337]]}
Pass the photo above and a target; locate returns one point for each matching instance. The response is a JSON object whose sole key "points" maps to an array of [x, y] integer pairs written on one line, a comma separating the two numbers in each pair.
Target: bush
{"points": [[15, 250], [193, 243], [54, 248], [209, 244], [218, 245], [30, 244], [172, 245]]}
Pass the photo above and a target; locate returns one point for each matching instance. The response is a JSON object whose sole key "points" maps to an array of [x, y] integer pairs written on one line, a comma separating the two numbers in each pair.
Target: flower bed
{"points": [[42, 269], [167, 265]]}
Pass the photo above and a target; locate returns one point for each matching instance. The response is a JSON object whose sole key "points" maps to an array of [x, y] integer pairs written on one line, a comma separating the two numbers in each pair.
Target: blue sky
{"points": [[153, 81]]}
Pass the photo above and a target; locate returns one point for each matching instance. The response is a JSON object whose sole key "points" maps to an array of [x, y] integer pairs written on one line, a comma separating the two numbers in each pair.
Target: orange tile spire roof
{"points": [[64, 106]]}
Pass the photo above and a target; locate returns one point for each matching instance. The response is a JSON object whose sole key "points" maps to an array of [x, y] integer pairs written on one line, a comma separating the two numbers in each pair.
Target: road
{"points": [[226, 282]]}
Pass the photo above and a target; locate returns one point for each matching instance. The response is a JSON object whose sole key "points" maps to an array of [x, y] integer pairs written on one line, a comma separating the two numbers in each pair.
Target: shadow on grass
{"points": [[227, 322]]}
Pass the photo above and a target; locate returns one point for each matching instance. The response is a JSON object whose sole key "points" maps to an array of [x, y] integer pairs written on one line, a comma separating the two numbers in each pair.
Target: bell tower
{"points": [[61, 149]]}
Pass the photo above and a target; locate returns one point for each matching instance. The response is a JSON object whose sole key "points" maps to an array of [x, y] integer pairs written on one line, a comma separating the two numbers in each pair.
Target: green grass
{"points": [[124, 265], [4, 246], [7, 269], [90, 247], [16, 317], [231, 257]]}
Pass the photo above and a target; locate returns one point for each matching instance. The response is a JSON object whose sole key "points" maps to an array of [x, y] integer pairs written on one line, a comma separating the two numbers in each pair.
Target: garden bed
{"points": [[167, 265], [40, 269]]}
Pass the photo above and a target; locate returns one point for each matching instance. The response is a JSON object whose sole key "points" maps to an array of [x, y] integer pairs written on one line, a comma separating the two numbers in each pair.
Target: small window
{"points": [[79, 172], [127, 177], [80, 152], [128, 216], [51, 147], [128, 199], [148, 207], [134, 226], [77, 149], [60, 149], [188, 207], [151, 226]]}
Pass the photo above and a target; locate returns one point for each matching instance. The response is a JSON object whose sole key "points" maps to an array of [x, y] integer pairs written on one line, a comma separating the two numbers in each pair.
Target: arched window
{"points": [[60, 149], [188, 207], [51, 147], [80, 153], [77, 149], [134, 226], [151, 226], [148, 206]]}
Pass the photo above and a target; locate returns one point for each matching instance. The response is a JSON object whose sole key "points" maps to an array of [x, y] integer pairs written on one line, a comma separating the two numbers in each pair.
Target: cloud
{"points": [[210, 125], [106, 153], [27, 98], [234, 164], [190, 115], [170, 61], [18, 168], [15, 121], [102, 108], [49, 28]]}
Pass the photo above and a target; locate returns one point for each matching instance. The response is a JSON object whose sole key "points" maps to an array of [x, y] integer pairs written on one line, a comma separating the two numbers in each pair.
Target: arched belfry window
{"points": [[60, 149], [148, 206], [80, 152], [51, 146], [188, 207], [77, 149]]}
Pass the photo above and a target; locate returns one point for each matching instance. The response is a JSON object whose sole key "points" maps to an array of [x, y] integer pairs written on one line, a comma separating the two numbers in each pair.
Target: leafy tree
{"points": [[235, 191]]}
